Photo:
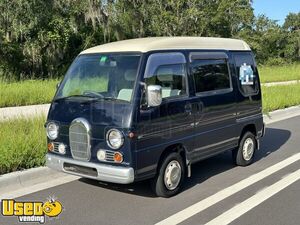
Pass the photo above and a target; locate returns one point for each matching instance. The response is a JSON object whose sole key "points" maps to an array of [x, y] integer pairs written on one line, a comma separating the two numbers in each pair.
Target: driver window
{"points": [[168, 71]]}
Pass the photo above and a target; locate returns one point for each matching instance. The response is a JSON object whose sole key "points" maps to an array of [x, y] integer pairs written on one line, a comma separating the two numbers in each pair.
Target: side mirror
{"points": [[57, 85], [154, 95]]}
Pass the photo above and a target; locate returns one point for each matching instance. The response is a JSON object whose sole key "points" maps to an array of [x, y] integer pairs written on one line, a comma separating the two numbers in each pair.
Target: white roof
{"points": [[168, 43]]}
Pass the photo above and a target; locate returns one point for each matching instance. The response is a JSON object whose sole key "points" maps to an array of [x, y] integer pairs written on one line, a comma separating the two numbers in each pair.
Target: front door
{"points": [[173, 121]]}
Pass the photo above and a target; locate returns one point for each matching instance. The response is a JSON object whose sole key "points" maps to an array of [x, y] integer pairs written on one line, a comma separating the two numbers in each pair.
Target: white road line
{"points": [[227, 192], [240, 209], [38, 187]]}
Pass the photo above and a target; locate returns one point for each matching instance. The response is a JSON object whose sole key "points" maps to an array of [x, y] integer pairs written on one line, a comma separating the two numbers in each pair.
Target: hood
{"points": [[98, 113]]}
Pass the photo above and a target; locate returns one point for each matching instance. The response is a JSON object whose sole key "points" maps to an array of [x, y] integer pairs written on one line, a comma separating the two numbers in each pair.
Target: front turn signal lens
{"points": [[118, 157], [50, 147]]}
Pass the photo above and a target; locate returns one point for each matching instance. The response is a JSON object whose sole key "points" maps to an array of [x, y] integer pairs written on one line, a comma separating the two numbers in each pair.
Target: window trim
{"points": [[185, 65], [209, 57]]}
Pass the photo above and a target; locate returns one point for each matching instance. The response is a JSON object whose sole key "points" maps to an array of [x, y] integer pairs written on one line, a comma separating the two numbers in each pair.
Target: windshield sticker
{"points": [[103, 59], [246, 75]]}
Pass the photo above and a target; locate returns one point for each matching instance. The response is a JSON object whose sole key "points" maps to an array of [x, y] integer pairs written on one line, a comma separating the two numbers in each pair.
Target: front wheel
{"points": [[170, 176], [244, 154]]}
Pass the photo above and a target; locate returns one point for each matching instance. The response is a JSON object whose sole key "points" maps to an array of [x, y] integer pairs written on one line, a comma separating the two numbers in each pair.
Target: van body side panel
{"points": [[213, 125]]}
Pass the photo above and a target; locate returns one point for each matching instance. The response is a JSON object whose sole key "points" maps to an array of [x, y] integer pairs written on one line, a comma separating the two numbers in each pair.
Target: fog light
{"points": [[118, 157], [50, 147], [62, 148], [101, 155]]}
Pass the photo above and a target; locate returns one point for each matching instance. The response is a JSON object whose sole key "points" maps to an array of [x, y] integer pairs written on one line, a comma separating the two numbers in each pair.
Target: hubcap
{"points": [[172, 175], [248, 149]]}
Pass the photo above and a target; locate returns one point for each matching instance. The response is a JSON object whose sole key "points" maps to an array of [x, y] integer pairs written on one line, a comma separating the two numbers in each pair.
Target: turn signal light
{"points": [[50, 147], [118, 157], [131, 135]]}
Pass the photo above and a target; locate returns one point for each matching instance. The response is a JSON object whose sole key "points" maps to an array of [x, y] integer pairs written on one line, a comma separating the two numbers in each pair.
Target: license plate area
{"points": [[69, 167]]}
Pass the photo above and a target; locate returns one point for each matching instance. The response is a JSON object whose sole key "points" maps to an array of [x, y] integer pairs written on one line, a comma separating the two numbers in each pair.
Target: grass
{"points": [[22, 144], [279, 97], [29, 92], [279, 73]]}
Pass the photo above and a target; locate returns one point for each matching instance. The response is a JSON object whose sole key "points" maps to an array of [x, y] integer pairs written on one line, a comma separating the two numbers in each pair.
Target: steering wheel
{"points": [[93, 94]]}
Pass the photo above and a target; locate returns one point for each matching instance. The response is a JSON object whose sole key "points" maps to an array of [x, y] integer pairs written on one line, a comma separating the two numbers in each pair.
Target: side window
{"points": [[168, 71], [210, 75], [247, 73]]}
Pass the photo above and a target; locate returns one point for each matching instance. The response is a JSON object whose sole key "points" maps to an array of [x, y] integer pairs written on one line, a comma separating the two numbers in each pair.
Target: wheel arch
{"points": [[249, 127], [178, 147]]}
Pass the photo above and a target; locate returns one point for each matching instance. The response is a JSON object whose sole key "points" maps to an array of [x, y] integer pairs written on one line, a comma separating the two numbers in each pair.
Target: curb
{"points": [[27, 178], [23, 111], [282, 114], [270, 84]]}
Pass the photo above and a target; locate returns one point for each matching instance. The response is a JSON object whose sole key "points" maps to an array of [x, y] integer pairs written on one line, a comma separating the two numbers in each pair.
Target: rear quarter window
{"points": [[248, 80]]}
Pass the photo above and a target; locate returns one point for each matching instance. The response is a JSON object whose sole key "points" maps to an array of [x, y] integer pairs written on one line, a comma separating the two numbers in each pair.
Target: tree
{"points": [[292, 28]]}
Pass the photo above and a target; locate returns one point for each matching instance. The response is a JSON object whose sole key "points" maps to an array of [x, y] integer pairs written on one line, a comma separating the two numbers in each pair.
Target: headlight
{"points": [[114, 138], [52, 130]]}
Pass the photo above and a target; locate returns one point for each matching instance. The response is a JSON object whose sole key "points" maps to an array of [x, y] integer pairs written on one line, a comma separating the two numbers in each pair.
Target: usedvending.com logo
{"points": [[31, 211]]}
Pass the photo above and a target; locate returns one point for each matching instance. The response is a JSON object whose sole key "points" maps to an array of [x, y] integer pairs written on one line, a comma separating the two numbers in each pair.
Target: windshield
{"points": [[100, 76]]}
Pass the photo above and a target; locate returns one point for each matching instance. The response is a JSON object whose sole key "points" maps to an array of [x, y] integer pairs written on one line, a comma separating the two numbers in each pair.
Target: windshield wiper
{"points": [[92, 96], [115, 99], [76, 96]]}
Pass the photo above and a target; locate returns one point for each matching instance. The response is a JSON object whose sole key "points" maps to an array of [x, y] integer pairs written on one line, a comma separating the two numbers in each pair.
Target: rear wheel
{"points": [[170, 176], [244, 154]]}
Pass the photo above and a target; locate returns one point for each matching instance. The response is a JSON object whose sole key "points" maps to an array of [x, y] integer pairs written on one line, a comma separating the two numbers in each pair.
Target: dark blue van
{"points": [[148, 108]]}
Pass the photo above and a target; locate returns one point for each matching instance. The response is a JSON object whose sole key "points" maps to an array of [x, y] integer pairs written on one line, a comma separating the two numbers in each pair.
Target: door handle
{"points": [[200, 107], [188, 108]]}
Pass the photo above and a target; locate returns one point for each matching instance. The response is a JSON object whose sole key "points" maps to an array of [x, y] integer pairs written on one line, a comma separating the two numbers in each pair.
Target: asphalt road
{"points": [[89, 202]]}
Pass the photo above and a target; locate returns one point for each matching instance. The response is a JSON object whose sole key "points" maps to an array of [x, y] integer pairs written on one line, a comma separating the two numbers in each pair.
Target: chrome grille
{"points": [[79, 137]]}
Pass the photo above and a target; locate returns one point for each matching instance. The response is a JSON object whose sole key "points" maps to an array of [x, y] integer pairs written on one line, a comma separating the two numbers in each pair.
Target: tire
{"points": [[159, 185], [240, 155]]}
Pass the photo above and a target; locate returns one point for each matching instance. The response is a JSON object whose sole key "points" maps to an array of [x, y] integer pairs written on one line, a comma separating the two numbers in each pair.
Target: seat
{"points": [[126, 93], [165, 76]]}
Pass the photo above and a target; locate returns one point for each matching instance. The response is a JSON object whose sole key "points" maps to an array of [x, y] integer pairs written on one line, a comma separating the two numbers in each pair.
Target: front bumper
{"points": [[108, 173]]}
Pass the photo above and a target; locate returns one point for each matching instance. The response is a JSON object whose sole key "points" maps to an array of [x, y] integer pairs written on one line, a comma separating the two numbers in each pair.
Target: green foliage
{"points": [[27, 92], [39, 39], [22, 144]]}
